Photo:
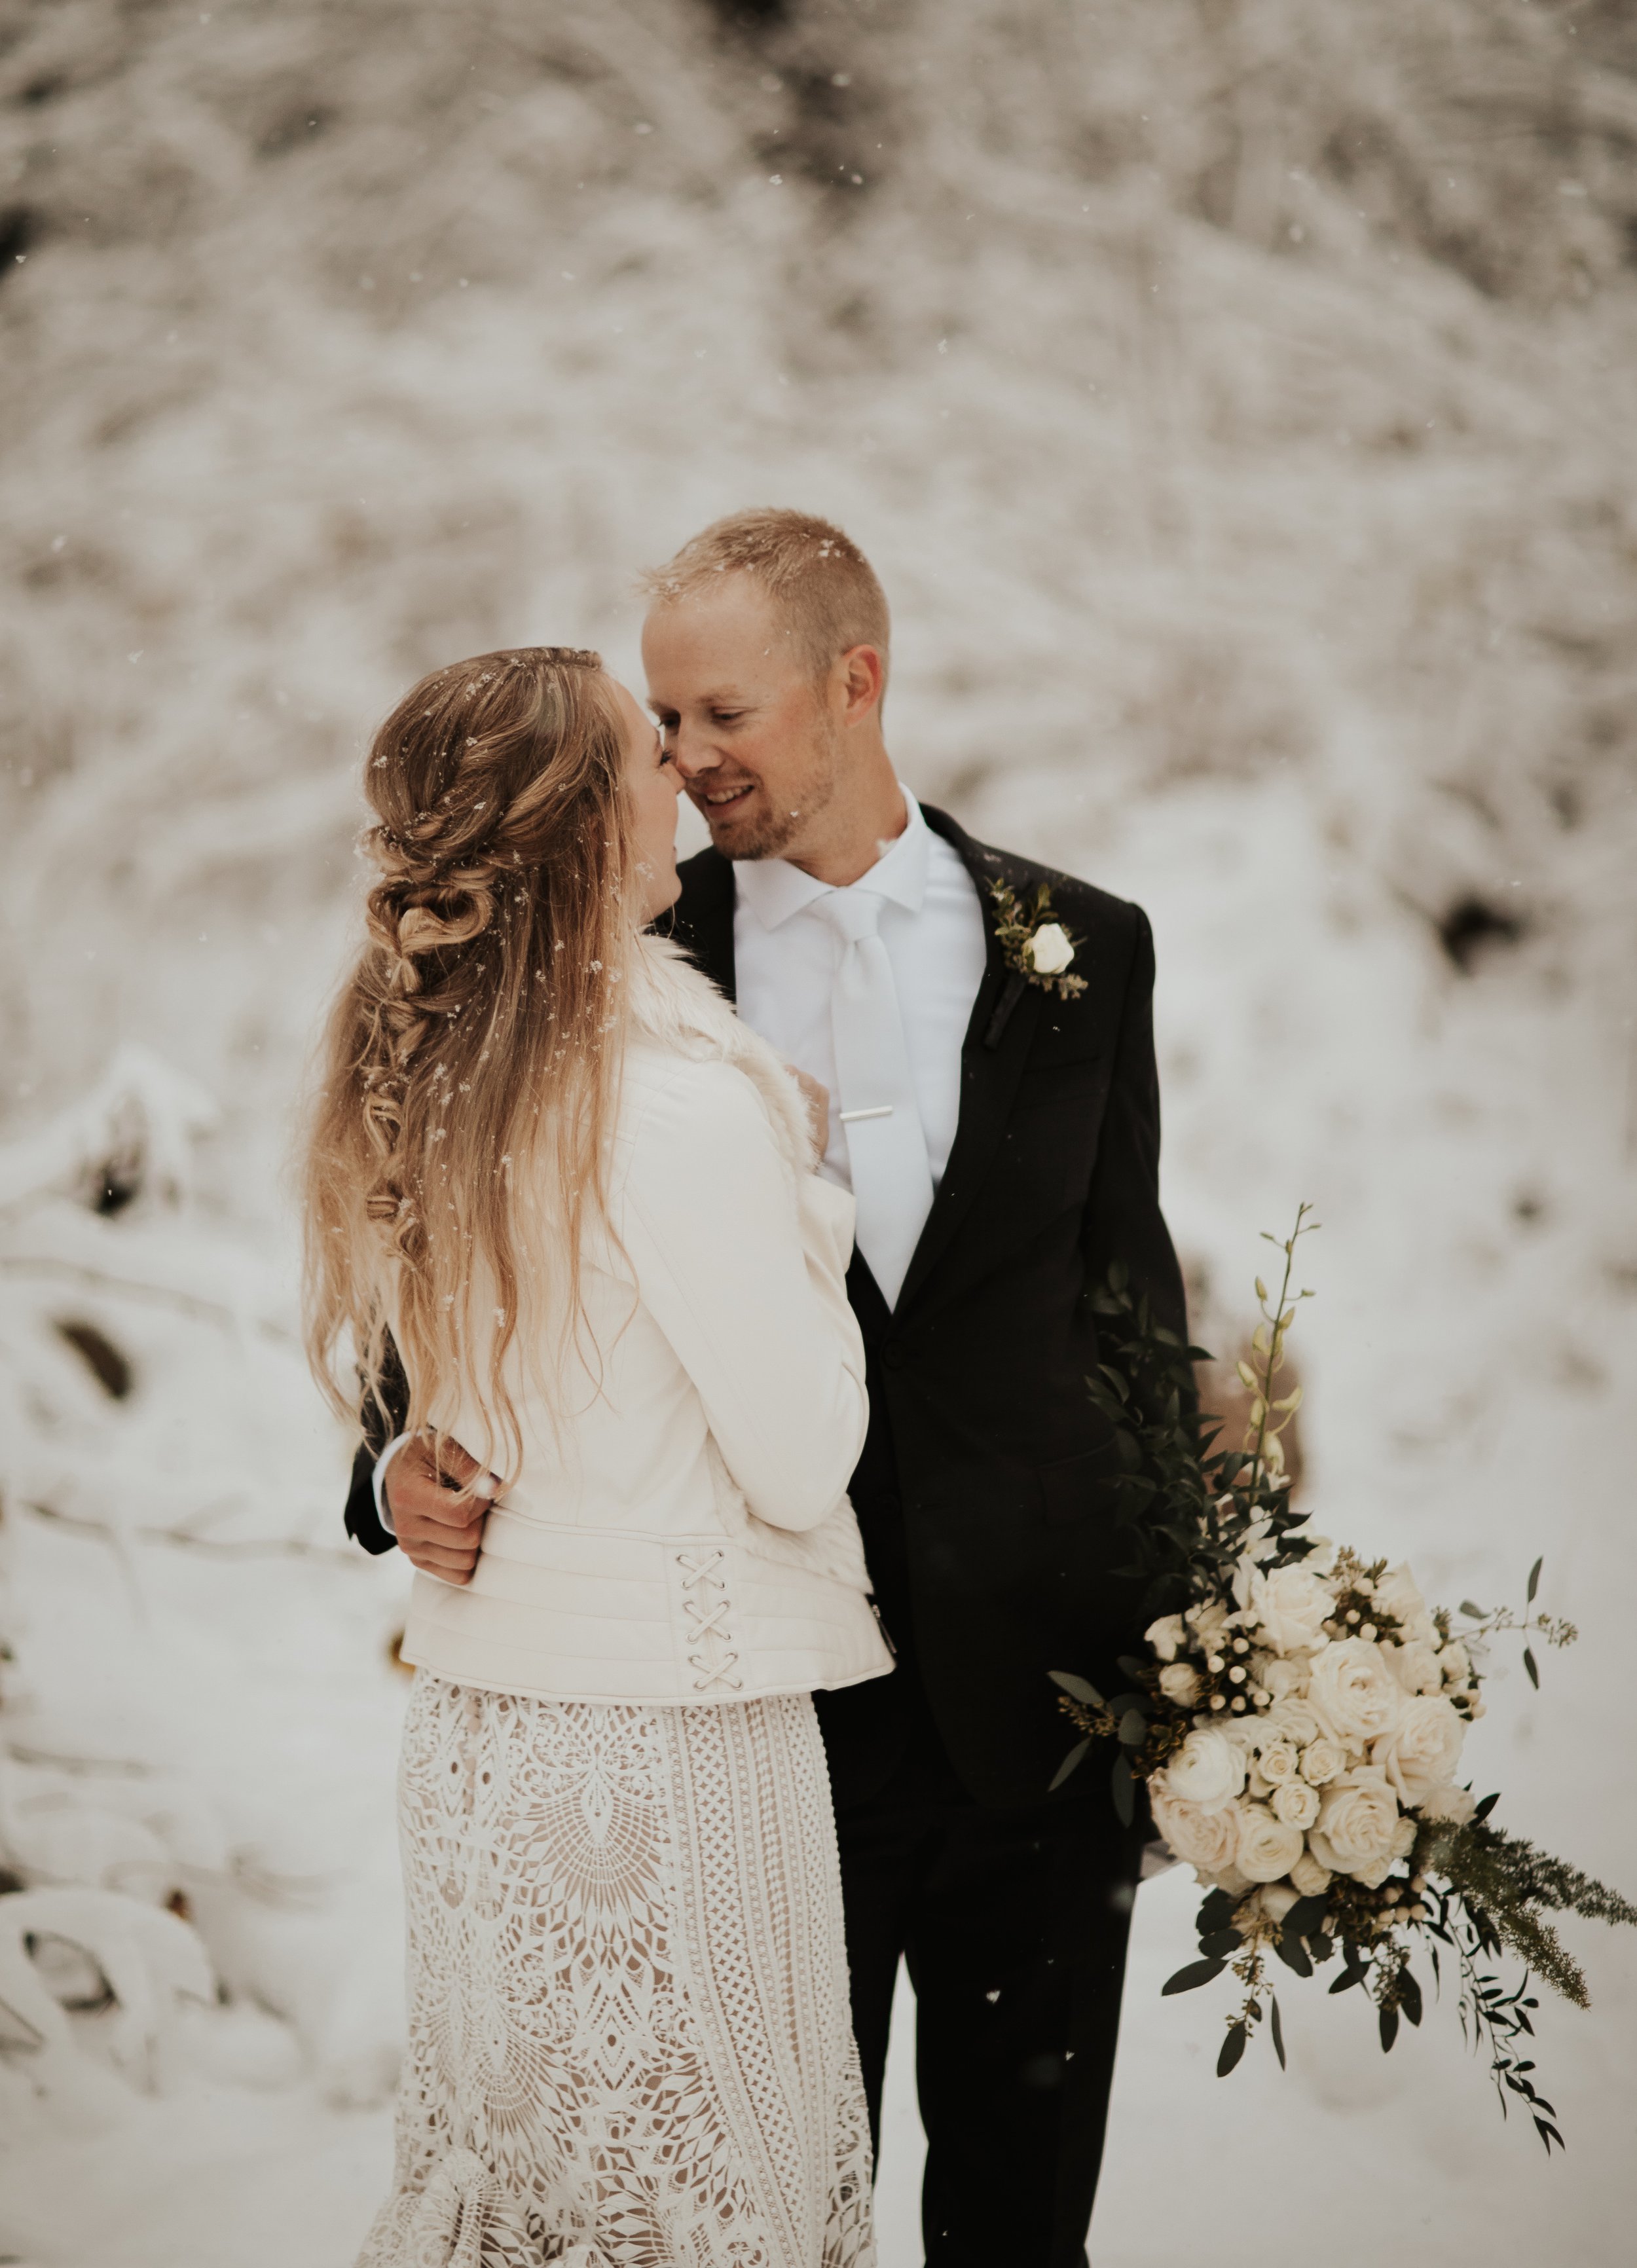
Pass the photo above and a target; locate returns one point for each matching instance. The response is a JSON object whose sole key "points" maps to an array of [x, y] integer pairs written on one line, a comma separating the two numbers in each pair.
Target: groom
{"points": [[1001, 1135]]}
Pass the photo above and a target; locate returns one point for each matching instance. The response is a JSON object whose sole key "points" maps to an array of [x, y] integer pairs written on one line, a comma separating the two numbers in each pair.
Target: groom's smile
{"points": [[761, 742]]}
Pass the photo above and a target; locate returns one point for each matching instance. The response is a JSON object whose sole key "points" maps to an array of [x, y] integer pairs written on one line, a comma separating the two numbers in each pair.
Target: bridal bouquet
{"points": [[1299, 1720]]}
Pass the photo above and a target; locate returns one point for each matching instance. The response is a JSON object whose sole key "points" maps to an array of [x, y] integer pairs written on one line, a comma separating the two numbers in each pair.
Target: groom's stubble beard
{"points": [[778, 830]]}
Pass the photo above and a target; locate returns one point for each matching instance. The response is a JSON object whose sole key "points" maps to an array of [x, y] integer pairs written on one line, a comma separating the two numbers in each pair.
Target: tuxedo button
{"points": [[895, 1356]]}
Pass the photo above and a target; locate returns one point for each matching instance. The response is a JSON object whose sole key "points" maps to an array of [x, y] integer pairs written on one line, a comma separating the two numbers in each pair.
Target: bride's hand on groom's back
{"points": [[439, 1531]]}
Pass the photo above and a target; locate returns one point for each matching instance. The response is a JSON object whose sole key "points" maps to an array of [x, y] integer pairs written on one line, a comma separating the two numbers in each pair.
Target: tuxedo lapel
{"points": [[702, 920], [992, 1056]]}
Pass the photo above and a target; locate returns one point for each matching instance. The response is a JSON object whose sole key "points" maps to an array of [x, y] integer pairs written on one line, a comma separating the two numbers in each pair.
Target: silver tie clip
{"points": [[883, 1111]]}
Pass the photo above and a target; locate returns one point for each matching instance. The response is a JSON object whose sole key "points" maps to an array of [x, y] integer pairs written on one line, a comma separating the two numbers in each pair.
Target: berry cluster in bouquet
{"points": [[1299, 1719]]}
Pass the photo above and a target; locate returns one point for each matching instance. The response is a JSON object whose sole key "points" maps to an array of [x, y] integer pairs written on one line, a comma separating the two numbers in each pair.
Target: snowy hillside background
{"points": [[1236, 397]]}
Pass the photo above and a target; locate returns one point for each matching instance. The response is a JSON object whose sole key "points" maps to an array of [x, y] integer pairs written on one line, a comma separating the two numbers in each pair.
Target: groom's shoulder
{"points": [[1093, 914]]}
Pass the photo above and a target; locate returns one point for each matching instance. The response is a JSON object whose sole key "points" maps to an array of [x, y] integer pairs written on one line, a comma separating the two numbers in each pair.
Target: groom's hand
{"points": [[439, 1531]]}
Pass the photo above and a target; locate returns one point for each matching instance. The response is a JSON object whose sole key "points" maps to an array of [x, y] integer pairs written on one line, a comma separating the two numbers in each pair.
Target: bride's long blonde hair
{"points": [[470, 1060]]}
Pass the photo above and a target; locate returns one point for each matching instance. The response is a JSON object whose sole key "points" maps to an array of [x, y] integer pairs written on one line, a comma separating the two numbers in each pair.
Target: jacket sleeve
{"points": [[747, 1279], [1123, 1218], [362, 1523]]}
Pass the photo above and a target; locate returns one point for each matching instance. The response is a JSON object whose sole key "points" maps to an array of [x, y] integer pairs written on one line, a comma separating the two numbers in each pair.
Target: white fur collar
{"points": [[675, 1005]]}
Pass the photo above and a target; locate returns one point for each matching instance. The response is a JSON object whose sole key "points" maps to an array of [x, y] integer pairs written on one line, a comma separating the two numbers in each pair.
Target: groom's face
{"points": [[753, 737]]}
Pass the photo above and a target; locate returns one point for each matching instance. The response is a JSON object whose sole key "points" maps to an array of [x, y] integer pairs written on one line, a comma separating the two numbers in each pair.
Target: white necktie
{"points": [[892, 1182]]}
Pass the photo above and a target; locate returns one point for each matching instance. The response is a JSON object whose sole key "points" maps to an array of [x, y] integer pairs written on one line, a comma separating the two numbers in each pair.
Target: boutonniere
{"points": [[1034, 942]]}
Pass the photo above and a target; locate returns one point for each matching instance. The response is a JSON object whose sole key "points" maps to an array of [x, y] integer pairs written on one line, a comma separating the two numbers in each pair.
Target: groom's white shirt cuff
{"points": [[378, 1480]]}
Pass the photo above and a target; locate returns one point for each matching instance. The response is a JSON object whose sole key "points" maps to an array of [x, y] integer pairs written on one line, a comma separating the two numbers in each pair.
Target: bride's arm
{"points": [[748, 1284]]}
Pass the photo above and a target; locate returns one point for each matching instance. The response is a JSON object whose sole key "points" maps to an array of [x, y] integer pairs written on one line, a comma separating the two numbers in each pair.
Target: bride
{"points": [[550, 1166]]}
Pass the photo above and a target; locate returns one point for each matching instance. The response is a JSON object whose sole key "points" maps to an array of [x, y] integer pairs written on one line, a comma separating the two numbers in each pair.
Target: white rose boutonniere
{"points": [[1034, 942], [1049, 950]]}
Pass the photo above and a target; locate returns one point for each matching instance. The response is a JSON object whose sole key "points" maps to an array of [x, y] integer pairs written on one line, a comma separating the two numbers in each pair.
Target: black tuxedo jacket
{"points": [[980, 1493]]}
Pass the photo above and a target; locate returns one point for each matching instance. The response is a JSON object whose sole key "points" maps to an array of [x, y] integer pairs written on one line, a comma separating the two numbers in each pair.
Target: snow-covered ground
{"points": [[1236, 400]]}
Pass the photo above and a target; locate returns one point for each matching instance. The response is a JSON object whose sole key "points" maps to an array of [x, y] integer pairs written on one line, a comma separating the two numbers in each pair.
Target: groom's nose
{"points": [[692, 754]]}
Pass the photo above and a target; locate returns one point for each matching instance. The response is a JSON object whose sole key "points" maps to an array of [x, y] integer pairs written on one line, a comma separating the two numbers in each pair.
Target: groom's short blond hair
{"points": [[818, 579]]}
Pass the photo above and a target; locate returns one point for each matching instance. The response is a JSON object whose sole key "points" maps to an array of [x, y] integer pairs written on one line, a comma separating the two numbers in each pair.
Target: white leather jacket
{"points": [[680, 1531]]}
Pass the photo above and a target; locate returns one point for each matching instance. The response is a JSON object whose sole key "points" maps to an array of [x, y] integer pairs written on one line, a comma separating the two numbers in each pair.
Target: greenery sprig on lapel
{"points": [[1034, 944]]}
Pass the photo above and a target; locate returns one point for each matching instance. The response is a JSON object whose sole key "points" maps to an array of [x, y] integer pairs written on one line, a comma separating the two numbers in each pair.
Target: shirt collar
{"points": [[775, 890]]}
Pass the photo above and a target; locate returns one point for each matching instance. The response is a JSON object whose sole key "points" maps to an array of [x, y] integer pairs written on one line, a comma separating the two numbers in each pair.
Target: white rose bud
{"points": [[1321, 1761], [1179, 1682], [1276, 1899], [1166, 1636], [1456, 1662], [1296, 1803], [1268, 1849], [1309, 1876], [1276, 1762], [1049, 952]]}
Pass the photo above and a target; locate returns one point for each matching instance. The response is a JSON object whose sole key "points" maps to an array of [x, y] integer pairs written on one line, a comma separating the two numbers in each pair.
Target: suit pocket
{"points": [[1070, 1486]]}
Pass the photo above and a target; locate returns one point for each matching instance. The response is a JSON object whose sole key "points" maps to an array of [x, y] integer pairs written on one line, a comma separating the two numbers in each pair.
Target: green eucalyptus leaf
{"points": [[1233, 2048], [1133, 1730], [1409, 1995], [1190, 1979], [1467, 1608], [1078, 1688], [1124, 1789], [1075, 1758], [1279, 2032], [1389, 2029], [1293, 1954], [1530, 1668], [1534, 1580]]}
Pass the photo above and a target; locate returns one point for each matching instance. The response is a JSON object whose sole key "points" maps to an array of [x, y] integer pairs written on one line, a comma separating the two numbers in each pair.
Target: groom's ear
{"points": [[859, 679]]}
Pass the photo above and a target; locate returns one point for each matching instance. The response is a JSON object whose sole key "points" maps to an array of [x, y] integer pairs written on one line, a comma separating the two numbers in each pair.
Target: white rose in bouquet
{"points": [[1291, 1605], [1291, 1720], [1398, 1595], [1455, 1662], [1283, 1677], [1205, 1840], [1179, 1682], [1358, 1824], [1309, 1876], [1416, 1667], [1276, 1762], [1354, 1691], [1208, 1770], [1296, 1803], [1321, 1760], [1166, 1636], [1268, 1849], [1423, 1748]]}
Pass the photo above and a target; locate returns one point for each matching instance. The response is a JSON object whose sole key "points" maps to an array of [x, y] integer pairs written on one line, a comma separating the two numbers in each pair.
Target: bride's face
{"points": [[652, 786]]}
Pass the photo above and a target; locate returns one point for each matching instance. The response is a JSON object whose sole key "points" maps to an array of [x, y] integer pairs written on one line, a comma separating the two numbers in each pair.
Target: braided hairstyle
{"points": [[470, 1059]]}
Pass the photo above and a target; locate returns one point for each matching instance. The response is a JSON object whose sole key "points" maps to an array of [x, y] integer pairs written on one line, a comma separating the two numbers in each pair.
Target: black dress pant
{"points": [[1014, 1926]]}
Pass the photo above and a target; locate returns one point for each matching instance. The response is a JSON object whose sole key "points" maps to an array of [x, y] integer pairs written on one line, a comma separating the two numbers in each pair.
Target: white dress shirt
{"points": [[786, 956]]}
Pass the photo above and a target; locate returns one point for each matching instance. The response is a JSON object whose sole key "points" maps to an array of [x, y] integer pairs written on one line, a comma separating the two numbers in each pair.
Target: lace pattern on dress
{"points": [[630, 2045]]}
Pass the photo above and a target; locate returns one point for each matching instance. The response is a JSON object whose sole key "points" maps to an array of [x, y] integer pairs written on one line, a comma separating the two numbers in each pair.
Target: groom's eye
{"points": [[725, 716]]}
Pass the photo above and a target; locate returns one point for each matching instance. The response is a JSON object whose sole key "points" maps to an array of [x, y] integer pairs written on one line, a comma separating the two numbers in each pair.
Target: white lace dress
{"points": [[630, 2045]]}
